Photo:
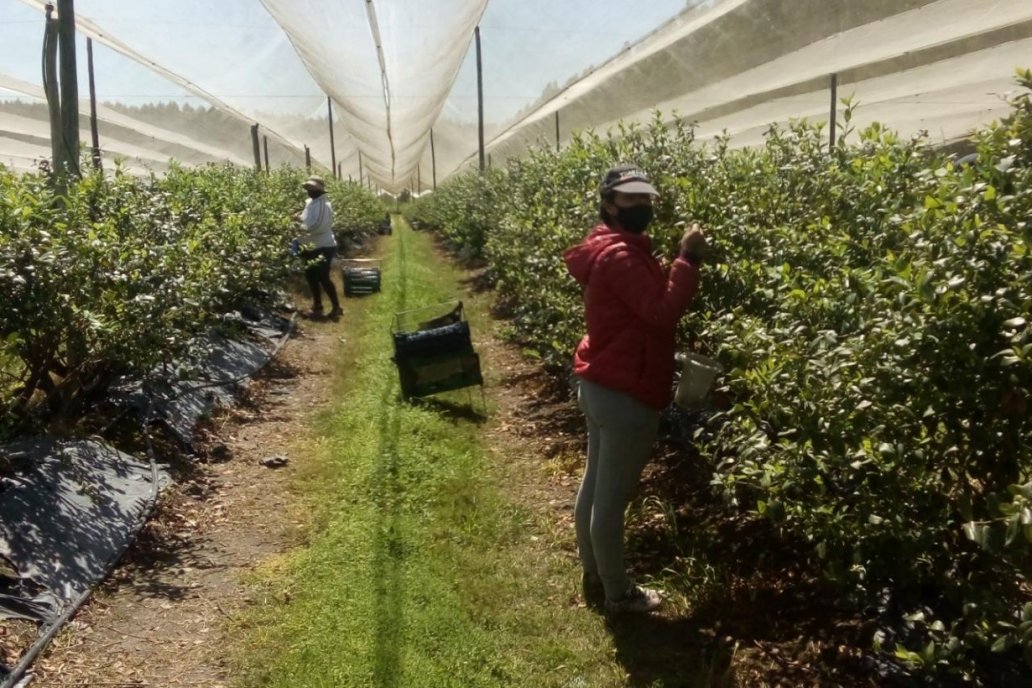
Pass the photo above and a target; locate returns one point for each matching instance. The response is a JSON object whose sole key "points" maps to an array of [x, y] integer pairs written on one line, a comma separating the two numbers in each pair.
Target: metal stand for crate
{"points": [[436, 354], [361, 276]]}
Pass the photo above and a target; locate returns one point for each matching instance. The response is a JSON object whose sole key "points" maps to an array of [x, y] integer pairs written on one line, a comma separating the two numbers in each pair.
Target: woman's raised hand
{"points": [[693, 243]]}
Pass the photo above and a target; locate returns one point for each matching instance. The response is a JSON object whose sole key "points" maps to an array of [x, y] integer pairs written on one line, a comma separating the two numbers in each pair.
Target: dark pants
{"points": [[317, 272]]}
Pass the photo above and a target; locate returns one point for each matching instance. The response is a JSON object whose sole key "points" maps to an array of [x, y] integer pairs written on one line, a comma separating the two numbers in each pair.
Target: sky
{"points": [[236, 51]]}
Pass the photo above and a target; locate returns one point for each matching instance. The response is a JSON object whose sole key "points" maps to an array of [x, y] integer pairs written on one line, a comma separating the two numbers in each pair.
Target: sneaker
{"points": [[592, 590], [637, 599]]}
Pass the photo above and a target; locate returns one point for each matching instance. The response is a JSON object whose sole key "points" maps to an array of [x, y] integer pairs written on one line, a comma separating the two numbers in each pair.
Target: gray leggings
{"points": [[621, 431]]}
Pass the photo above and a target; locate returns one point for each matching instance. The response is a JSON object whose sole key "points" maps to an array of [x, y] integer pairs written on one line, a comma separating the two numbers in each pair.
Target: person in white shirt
{"points": [[318, 246]]}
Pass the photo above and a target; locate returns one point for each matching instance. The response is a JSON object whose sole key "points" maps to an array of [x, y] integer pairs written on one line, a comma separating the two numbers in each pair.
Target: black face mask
{"points": [[635, 219]]}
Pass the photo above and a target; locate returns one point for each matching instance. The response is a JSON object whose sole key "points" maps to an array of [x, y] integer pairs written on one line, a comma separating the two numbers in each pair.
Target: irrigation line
{"points": [[44, 639], [12, 680]]}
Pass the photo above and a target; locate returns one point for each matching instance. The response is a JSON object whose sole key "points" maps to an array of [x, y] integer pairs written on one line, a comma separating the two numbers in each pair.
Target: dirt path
{"points": [[160, 619], [164, 615]]}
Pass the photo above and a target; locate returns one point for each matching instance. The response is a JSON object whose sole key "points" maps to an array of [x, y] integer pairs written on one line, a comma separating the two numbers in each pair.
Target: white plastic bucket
{"points": [[697, 375]]}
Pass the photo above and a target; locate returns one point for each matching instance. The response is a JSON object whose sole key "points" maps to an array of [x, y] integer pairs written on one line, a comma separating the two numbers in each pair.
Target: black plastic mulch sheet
{"points": [[222, 366], [262, 323], [68, 512], [226, 367]]}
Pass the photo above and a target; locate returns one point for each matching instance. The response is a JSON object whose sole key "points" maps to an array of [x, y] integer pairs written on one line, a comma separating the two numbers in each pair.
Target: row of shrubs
{"points": [[118, 275], [872, 308]]}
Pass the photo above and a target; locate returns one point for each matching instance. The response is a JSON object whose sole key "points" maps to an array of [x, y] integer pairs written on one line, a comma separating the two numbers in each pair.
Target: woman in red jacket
{"points": [[625, 367]]}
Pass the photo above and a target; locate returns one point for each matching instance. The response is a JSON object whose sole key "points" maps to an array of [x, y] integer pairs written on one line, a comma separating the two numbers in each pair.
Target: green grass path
{"points": [[420, 570]]}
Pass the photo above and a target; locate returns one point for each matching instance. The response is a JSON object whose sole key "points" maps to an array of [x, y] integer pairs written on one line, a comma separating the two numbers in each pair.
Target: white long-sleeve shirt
{"points": [[317, 218]]}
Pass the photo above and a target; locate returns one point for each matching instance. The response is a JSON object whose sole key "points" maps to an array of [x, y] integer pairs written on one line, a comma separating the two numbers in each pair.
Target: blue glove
{"points": [[295, 247]]}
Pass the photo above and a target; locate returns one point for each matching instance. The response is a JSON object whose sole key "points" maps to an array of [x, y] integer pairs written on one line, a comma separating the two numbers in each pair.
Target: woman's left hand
{"points": [[693, 243]]}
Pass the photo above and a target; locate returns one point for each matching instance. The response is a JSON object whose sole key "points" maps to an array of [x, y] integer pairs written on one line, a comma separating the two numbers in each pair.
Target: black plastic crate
{"points": [[361, 276], [434, 355]]}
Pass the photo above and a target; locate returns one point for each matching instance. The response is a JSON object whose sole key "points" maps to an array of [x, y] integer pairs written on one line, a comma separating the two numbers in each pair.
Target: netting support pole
{"points": [[50, 87], [556, 131], [69, 83], [361, 173], [98, 162], [419, 178], [308, 158], [265, 141], [256, 148], [480, 98], [340, 170], [834, 113], [433, 159], [333, 147]]}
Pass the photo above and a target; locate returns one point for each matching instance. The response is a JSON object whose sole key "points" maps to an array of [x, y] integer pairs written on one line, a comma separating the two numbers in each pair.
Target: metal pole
{"points": [[256, 148], [433, 159], [419, 179], [360, 172], [98, 162], [265, 140], [50, 87], [333, 148], [480, 98], [69, 82], [556, 131], [308, 158], [340, 168], [834, 112]]}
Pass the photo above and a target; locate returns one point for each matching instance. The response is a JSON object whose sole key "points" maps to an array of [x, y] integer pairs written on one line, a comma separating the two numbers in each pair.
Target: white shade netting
{"points": [[135, 144], [247, 71], [400, 74], [738, 66], [388, 104], [387, 66]]}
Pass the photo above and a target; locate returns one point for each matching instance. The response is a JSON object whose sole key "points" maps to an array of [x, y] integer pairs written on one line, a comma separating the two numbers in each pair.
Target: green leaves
{"points": [[871, 308], [120, 276]]}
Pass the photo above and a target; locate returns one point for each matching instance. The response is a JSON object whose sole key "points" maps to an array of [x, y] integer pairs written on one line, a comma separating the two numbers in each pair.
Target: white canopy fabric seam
{"points": [[375, 27]]}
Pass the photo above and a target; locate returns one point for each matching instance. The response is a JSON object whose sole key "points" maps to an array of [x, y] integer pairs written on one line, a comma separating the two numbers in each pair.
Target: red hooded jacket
{"points": [[632, 309]]}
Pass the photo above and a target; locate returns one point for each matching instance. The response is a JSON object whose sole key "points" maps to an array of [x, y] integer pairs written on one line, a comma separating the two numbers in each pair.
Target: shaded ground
{"points": [[738, 601], [749, 615], [743, 598], [159, 619]]}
